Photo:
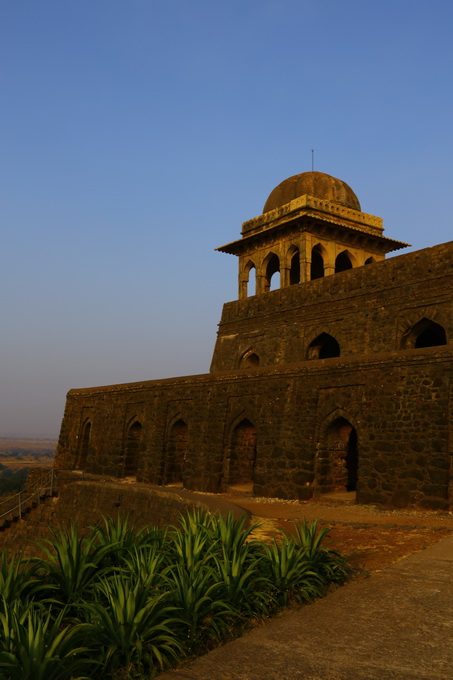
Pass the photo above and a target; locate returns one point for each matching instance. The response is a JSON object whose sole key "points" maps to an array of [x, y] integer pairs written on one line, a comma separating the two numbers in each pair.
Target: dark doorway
{"points": [[243, 453], [132, 449], [338, 458], [176, 452]]}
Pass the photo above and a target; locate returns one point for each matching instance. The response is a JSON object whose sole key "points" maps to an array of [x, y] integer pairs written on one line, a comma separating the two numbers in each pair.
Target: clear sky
{"points": [[137, 135]]}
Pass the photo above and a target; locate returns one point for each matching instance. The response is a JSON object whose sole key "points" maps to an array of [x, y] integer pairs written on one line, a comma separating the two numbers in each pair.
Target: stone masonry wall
{"points": [[398, 402], [367, 310]]}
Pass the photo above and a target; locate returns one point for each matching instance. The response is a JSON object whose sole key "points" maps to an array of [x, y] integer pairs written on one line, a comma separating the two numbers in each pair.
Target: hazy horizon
{"points": [[137, 137]]}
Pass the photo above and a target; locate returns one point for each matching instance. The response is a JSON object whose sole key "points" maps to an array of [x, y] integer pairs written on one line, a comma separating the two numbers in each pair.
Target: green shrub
{"points": [[135, 601]]}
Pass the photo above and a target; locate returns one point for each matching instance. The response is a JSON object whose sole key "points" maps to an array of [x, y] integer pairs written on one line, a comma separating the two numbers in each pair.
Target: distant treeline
{"points": [[12, 481], [16, 452]]}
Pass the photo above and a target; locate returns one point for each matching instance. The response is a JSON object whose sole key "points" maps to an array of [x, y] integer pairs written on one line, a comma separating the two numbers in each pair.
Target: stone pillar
{"points": [[260, 284], [305, 270], [284, 277]]}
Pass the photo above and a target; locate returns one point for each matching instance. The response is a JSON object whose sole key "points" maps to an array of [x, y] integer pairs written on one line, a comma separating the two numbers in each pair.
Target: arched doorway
{"points": [[338, 459], [176, 452], [242, 454], [132, 449]]}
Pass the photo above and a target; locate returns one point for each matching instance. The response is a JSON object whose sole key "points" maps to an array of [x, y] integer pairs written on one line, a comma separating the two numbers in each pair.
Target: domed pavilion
{"points": [[312, 226]]}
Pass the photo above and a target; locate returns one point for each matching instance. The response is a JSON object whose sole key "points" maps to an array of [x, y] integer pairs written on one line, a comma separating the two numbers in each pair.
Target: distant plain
{"points": [[17, 454]]}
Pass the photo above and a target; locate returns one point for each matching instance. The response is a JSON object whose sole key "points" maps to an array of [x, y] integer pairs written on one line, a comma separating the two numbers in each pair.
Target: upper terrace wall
{"points": [[367, 310]]}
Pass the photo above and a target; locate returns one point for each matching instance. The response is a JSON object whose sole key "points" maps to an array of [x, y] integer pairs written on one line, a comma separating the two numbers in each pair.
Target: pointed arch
{"points": [[344, 261], [176, 451], [425, 333], [84, 446], [370, 260], [324, 346], [337, 459], [250, 359], [250, 283], [318, 254], [271, 267]]}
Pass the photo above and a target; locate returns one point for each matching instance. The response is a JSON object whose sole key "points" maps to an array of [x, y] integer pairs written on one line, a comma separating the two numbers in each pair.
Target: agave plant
{"points": [[241, 581], [35, 646], [192, 546], [18, 579], [290, 572], [72, 564], [232, 535], [196, 595], [145, 565], [329, 563], [118, 536], [132, 629]]}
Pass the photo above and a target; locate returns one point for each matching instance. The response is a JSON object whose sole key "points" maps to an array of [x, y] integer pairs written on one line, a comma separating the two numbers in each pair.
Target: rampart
{"points": [[86, 501]]}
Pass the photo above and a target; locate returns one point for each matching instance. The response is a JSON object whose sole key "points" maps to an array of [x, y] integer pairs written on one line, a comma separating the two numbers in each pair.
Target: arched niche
{"points": [[249, 359], [425, 333], [370, 260], [324, 346]]}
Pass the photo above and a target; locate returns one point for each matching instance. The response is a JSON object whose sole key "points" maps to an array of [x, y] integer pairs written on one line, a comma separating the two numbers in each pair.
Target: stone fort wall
{"points": [[342, 382], [398, 399]]}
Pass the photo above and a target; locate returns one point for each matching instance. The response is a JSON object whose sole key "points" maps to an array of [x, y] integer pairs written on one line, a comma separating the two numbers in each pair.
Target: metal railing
{"points": [[21, 501]]}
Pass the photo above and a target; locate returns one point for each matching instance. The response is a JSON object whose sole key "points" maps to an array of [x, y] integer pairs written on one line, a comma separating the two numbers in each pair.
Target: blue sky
{"points": [[136, 136]]}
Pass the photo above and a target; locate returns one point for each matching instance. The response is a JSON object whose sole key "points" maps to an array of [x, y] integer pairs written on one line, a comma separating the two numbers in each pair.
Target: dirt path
{"points": [[372, 537]]}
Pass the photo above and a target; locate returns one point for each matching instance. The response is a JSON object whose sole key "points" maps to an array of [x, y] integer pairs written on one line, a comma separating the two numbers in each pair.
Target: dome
{"points": [[313, 183]]}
